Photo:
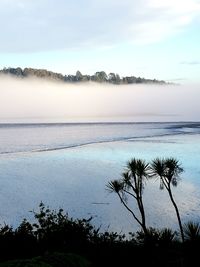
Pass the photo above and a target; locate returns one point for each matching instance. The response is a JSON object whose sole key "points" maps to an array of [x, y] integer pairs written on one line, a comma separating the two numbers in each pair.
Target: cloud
{"points": [[41, 25], [190, 63], [176, 80]]}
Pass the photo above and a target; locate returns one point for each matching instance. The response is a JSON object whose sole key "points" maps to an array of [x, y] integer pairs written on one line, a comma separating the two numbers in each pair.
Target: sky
{"points": [[147, 38]]}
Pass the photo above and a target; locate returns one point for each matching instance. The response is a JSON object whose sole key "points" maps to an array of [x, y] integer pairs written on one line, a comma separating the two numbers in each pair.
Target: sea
{"points": [[68, 165]]}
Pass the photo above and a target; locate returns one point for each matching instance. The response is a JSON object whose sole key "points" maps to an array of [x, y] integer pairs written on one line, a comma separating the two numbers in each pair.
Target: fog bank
{"points": [[37, 100]]}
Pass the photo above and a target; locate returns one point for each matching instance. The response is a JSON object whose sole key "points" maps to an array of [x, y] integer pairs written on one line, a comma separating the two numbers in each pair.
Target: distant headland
{"points": [[99, 77]]}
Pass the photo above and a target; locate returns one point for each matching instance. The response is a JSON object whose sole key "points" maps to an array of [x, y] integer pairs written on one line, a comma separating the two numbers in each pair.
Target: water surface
{"points": [[68, 166]]}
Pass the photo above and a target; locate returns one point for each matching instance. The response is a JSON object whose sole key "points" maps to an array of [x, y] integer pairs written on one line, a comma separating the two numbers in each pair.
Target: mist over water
{"points": [[59, 162], [38, 100]]}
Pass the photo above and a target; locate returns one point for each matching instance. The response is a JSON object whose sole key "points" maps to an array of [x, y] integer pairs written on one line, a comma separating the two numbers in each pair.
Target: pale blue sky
{"points": [[148, 38]]}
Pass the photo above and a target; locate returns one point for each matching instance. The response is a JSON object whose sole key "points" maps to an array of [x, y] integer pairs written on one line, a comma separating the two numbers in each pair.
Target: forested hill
{"points": [[99, 76]]}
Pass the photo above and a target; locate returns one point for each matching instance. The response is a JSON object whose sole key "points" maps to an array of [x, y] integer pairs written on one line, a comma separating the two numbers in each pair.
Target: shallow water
{"points": [[68, 166]]}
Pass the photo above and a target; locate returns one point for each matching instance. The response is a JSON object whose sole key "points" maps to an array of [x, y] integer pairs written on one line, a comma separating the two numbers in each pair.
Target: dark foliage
{"points": [[56, 240], [50, 260], [99, 76]]}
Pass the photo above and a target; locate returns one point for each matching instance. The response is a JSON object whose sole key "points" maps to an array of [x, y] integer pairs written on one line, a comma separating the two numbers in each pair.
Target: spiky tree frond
{"points": [[172, 170], [192, 231], [138, 170], [131, 165], [158, 167], [126, 178], [142, 168], [138, 167], [167, 169], [115, 186], [166, 235]]}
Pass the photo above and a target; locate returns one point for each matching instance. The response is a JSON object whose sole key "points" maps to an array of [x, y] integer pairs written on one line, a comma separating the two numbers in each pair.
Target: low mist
{"points": [[37, 100]]}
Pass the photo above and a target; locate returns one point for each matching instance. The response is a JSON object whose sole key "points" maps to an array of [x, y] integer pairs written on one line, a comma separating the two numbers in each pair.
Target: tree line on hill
{"points": [[100, 76]]}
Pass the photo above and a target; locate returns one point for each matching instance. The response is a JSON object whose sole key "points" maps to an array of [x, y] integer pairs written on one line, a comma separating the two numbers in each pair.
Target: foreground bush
{"points": [[50, 260], [55, 239]]}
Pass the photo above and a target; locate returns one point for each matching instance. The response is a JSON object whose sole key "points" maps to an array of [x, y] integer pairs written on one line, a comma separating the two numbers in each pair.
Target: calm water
{"points": [[68, 166]]}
